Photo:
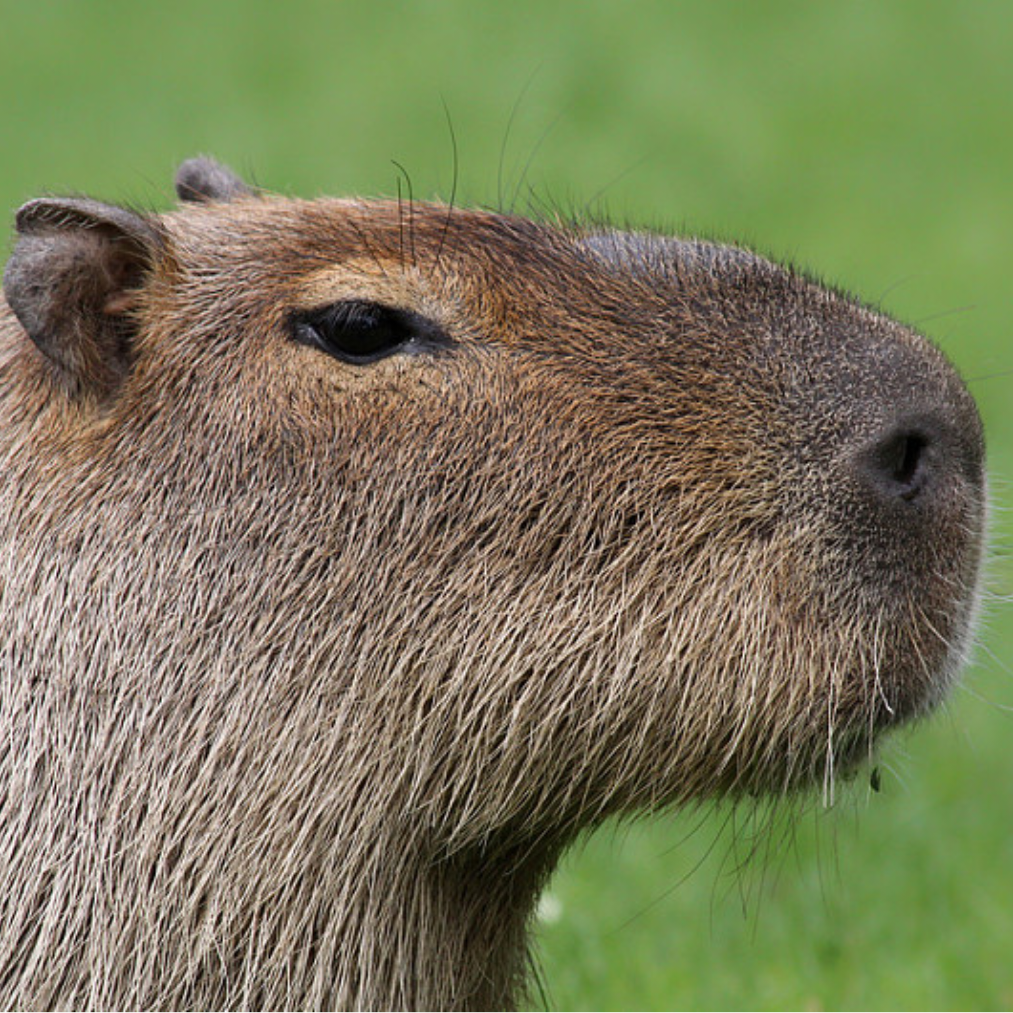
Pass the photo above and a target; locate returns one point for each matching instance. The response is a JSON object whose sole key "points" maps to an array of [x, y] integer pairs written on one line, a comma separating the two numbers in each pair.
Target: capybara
{"points": [[357, 556]]}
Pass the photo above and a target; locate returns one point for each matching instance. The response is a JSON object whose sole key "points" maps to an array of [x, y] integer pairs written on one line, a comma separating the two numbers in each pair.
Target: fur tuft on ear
{"points": [[203, 181], [71, 282]]}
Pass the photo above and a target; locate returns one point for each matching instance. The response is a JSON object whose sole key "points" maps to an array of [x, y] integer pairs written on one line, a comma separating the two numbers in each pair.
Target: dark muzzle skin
{"points": [[356, 557], [915, 496], [906, 497]]}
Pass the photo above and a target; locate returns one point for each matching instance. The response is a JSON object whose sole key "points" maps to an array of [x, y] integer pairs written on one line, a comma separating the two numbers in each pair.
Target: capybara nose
{"points": [[901, 463], [915, 461]]}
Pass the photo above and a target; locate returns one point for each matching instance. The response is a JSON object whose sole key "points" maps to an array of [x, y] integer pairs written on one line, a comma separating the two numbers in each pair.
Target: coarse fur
{"points": [[310, 669]]}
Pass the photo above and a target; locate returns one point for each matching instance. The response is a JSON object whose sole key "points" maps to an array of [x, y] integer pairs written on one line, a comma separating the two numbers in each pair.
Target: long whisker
{"points": [[453, 185], [506, 136], [411, 213], [531, 158]]}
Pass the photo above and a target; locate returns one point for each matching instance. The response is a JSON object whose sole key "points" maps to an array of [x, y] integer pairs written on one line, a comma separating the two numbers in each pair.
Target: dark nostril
{"points": [[898, 465], [905, 455]]}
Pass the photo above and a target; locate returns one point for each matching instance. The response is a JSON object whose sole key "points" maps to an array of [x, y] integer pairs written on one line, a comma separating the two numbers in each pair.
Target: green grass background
{"points": [[869, 141]]}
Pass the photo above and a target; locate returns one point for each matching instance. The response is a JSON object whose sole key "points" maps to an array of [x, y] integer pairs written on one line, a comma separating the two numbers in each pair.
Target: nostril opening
{"points": [[909, 454], [900, 464]]}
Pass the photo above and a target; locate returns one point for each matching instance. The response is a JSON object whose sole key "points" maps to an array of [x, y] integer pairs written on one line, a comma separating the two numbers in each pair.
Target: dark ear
{"points": [[203, 180], [72, 280]]}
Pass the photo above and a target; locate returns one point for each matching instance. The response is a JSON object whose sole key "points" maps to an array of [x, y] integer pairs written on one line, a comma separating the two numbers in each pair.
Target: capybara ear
{"points": [[203, 181], [72, 281]]}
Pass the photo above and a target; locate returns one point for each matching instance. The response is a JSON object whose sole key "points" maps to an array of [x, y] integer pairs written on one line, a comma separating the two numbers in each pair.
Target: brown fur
{"points": [[310, 671]]}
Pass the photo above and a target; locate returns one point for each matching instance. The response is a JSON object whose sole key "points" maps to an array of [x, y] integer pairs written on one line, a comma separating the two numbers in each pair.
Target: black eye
{"points": [[362, 332]]}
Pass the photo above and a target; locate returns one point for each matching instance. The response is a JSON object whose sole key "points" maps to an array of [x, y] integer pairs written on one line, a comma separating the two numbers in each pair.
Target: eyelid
{"points": [[360, 332]]}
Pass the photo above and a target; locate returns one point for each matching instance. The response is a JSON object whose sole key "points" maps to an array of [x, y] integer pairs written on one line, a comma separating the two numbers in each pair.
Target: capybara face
{"points": [[490, 528]]}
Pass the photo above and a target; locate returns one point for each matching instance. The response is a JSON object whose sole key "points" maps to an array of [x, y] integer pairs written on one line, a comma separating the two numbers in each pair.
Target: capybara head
{"points": [[357, 555]]}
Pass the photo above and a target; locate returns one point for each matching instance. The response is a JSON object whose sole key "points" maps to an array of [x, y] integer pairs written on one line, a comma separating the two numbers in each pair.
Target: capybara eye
{"points": [[362, 332]]}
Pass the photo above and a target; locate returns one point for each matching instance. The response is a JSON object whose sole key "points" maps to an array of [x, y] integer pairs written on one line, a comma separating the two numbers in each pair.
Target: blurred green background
{"points": [[868, 141]]}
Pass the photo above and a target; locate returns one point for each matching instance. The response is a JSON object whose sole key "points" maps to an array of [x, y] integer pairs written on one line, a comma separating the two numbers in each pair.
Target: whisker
{"points": [[400, 224], [506, 136], [411, 213], [453, 185], [628, 171], [945, 313], [989, 376], [892, 288], [522, 181], [1003, 708]]}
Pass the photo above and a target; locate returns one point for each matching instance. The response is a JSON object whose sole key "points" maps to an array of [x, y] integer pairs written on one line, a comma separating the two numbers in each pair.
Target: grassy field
{"points": [[871, 142]]}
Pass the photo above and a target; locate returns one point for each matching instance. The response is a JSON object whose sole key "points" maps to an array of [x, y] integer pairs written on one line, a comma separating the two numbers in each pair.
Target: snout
{"points": [[902, 443], [913, 481], [892, 492]]}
